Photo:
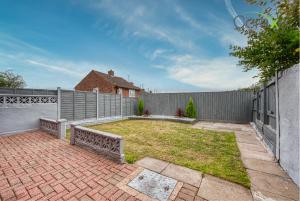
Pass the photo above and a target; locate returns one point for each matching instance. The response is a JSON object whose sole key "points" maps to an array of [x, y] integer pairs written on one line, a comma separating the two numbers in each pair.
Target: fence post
{"points": [[58, 103], [85, 98], [121, 99], [97, 102], [74, 105], [62, 125], [277, 153]]}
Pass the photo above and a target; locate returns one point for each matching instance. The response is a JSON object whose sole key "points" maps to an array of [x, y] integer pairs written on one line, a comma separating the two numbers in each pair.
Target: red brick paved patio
{"points": [[36, 166]]}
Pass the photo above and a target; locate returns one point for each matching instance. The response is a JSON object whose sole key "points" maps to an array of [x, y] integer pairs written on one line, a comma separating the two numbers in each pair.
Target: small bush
{"points": [[146, 112], [190, 110], [179, 112], [140, 106]]}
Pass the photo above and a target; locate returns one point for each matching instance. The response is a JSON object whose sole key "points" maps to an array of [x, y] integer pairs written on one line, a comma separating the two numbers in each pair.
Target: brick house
{"points": [[108, 83]]}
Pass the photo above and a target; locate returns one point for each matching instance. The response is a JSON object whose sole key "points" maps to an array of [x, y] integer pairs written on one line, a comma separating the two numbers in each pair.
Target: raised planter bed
{"points": [[165, 118]]}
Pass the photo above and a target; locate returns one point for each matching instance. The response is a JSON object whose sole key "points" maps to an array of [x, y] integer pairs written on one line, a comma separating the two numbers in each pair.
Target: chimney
{"points": [[111, 73]]}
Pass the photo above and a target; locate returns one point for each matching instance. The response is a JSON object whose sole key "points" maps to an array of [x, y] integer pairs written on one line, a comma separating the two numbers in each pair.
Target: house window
{"points": [[119, 91], [131, 93]]}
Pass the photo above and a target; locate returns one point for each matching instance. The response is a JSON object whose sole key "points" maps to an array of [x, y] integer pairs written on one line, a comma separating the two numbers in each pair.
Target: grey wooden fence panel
{"points": [[79, 105], [124, 108], [254, 108], [67, 106], [230, 106], [107, 105], [133, 102], [271, 105], [113, 105], [91, 105], [129, 105], [118, 105], [264, 113], [101, 105]]}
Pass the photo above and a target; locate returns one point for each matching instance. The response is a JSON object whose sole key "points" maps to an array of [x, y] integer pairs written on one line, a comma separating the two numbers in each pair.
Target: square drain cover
{"points": [[153, 184]]}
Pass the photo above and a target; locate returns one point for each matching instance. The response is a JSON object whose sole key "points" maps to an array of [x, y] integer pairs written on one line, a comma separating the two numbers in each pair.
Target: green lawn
{"points": [[210, 152]]}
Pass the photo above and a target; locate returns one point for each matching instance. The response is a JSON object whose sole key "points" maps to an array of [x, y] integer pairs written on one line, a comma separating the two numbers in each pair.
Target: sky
{"points": [[162, 45]]}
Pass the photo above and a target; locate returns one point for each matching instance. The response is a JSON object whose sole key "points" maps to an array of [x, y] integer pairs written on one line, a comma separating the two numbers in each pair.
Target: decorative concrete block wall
{"points": [[56, 128], [21, 112], [108, 144]]}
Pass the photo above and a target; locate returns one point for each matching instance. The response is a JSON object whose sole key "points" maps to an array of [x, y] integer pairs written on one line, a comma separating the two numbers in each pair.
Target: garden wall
{"points": [[228, 106], [20, 112], [21, 109], [276, 116], [289, 121]]}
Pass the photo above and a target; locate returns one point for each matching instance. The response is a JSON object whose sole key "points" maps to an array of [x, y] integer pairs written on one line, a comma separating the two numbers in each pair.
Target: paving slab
{"points": [[152, 164], [228, 127], [215, 189], [281, 186], [252, 147], [257, 155], [250, 139], [264, 166], [249, 132], [266, 196], [183, 174]]}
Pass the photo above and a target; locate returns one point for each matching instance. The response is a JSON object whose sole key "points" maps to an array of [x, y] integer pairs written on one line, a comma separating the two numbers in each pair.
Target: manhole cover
{"points": [[153, 184]]}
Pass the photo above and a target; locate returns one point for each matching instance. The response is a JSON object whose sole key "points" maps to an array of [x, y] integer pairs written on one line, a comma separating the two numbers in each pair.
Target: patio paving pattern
{"points": [[36, 166]]}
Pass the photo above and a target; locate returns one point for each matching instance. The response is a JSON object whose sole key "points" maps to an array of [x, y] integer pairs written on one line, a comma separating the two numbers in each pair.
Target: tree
{"points": [[190, 110], [140, 106], [272, 46], [10, 80]]}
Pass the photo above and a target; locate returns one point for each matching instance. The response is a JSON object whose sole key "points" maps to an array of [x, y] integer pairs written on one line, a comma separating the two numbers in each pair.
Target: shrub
{"points": [[179, 112], [140, 106], [272, 42], [190, 110], [146, 112]]}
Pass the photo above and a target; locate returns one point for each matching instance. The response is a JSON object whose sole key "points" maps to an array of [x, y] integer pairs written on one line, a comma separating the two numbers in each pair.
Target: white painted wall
{"points": [[20, 117], [289, 122]]}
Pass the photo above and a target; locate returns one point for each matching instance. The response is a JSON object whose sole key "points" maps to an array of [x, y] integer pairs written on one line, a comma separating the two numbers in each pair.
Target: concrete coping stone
{"points": [[97, 132], [47, 119]]}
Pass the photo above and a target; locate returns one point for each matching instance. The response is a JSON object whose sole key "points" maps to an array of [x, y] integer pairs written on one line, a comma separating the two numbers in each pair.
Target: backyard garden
{"points": [[210, 152]]}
